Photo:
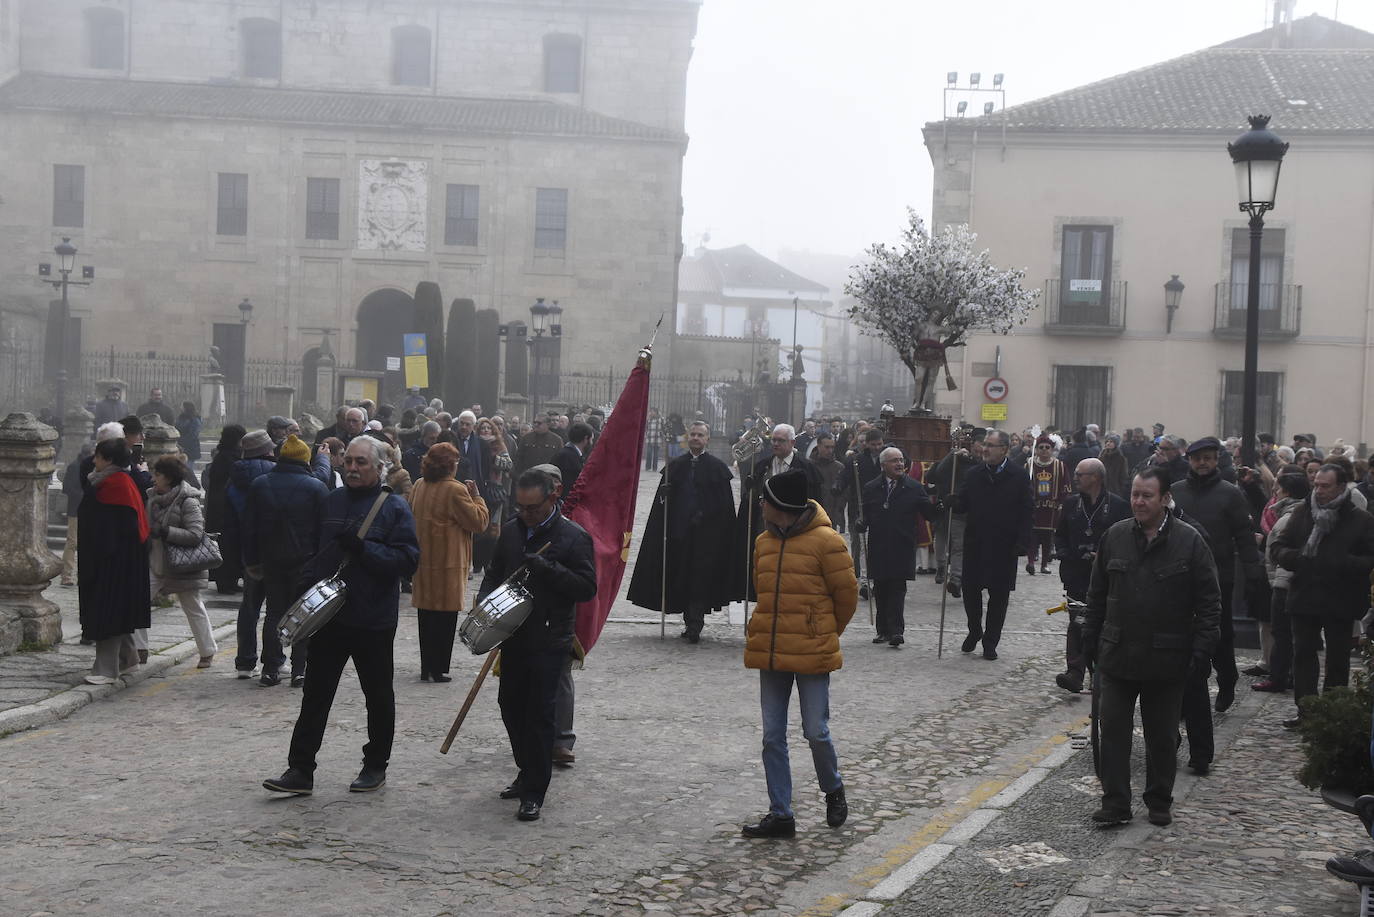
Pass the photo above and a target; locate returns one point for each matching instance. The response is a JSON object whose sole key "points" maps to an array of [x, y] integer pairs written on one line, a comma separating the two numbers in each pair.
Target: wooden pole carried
{"points": [[467, 704]]}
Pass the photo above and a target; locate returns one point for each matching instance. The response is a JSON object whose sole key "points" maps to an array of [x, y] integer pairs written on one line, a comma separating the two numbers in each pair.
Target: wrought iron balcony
{"points": [[1074, 307], [1280, 310]]}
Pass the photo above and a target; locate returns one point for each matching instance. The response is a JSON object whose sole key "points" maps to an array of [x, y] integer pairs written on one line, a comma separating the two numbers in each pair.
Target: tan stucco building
{"points": [[1104, 192], [322, 157]]}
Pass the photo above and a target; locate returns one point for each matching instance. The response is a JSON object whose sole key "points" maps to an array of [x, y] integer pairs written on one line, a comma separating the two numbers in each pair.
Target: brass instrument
{"points": [[752, 441]]}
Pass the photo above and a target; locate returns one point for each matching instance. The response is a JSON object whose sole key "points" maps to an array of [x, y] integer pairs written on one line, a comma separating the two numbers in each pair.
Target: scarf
{"points": [[1323, 520], [114, 486]]}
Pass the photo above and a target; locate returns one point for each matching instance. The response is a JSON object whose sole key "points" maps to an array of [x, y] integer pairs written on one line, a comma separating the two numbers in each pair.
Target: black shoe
{"points": [[1160, 817], [1199, 768], [1030, 568], [971, 643], [1070, 681], [369, 779], [863, 591], [512, 791], [989, 654], [1294, 723], [880, 639], [297, 681], [896, 642], [1364, 809], [940, 577], [693, 637], [1045, 568], [1352, 869], [1226, 696], [269, 679], [424, 676], [528, 811], [1108, 818], [292, 781], [837, 810], [440, 679], [772, 826], [1255, 670], [954, 589]]}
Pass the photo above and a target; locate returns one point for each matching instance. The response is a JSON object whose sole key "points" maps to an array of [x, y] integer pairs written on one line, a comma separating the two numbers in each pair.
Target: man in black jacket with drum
{"points": [[562, 573]]}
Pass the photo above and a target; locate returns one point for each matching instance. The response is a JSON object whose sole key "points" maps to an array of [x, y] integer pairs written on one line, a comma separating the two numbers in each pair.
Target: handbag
{"points": [[183, 559]]}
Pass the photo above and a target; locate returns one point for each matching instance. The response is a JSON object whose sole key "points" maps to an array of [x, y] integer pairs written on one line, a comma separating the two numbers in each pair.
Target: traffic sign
{"points": [[995, 389], [994, 412]]}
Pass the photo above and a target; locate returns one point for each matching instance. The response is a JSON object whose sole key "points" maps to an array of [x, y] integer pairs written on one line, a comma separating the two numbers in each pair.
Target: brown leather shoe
{"points": [[563, 757]]}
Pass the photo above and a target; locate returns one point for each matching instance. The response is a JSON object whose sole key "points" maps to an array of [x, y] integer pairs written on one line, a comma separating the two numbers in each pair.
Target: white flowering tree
{"points": [[925, 295]]}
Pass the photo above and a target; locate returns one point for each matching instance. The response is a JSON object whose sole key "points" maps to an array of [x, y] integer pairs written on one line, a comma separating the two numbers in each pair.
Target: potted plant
{"points": [[1335, 730]]}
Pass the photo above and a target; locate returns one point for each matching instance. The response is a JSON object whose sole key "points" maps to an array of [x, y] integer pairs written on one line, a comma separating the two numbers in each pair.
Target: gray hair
{"points": [[788, 429], [889, 452], [381, 452], [361, 413], [1178, 442], [111, 430], [428, 427], [1003, 438], [468, 416], [1286, 454]]}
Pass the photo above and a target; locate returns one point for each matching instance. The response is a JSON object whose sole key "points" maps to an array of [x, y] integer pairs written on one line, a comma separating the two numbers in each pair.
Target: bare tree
{"points": [[925, 295]]}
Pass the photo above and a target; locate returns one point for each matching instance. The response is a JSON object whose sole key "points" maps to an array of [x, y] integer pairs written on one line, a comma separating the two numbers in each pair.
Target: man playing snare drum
{"points": [[558, 553], [364, 628]]}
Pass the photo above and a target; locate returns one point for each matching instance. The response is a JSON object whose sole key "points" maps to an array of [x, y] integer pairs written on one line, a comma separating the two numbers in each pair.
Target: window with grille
{"points": [[1268, 402], [69, 196], [105, 38], [562, 63], [410, 51], [260, 48], [322, 208], [460, 215], [231, 218], [1082, 395], [550, 220]]}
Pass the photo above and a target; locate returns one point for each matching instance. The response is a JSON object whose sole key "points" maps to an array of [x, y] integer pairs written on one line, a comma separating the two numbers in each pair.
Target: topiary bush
{"points": [[1335, 729]]}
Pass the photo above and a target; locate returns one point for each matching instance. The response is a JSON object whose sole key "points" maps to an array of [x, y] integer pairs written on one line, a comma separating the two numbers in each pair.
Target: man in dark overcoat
{"points": [[995, 498], [782, 458], [860, 467], [893, 507], [695, 506]]}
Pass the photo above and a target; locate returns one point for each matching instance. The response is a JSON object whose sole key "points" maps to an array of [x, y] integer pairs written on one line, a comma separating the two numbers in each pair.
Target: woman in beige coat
{"points": [[447, 513]]}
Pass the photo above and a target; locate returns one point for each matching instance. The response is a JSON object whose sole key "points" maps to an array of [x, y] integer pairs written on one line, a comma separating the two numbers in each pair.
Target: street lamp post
{"points": [[1258, 156], [1173, 294], [66, 262], [539, 318]]}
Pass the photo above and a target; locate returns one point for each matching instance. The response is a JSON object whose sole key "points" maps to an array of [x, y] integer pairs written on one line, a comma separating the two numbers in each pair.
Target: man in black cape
{"points": [[749, 521], [700, 507]]}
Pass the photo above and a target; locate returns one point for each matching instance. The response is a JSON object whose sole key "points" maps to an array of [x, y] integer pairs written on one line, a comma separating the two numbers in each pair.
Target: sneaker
{"points": [[292, 781], [1352, 869], [368, 780], [243, 673], [1294, 723], [269, 679], [1108, 818], [836, 808], [99, 680], [297, 681], [1045, 568], [772, 826], [1160, 817]]}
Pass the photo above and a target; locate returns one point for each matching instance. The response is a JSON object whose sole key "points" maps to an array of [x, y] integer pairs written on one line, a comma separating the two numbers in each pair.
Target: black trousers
{"points": [[1073, 643], [1044, 541], [281, 589], [371, 652], [889, 595], [1224, 656], [1280, 626], [1197, 717], [991, 630], [437, 629], [529, 683], [1307, 635], [1159, 708]]}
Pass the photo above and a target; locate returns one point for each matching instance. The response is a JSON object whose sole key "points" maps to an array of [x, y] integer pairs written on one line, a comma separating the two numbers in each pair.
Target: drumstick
{"points": [[467, 704]]}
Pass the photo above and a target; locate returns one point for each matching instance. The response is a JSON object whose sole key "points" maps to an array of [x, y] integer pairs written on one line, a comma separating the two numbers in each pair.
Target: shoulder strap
{"points": [[372, 513]]}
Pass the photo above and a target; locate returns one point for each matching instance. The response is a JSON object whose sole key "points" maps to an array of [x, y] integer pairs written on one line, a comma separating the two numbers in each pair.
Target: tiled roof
{"points": [[1304, 89], [740, 267], [447, 114]]}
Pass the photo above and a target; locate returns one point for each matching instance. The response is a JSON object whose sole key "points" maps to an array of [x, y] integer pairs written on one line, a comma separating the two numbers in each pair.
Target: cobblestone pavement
{"points": [[150, 799]]}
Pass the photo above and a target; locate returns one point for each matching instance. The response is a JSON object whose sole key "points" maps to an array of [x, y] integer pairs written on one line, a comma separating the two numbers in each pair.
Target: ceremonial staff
{"points": [[863, 540], [949, 546]]}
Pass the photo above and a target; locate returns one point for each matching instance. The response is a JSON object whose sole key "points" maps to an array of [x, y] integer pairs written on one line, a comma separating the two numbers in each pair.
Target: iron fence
{"points": [[722, 402], [22, 386]]}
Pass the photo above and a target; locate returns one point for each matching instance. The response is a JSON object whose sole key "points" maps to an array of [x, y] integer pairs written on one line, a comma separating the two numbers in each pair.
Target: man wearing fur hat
{"points": [[793, 637]]}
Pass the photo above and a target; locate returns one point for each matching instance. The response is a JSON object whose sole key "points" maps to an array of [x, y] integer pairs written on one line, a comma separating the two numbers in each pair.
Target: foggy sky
{"points": [[805, 116]]}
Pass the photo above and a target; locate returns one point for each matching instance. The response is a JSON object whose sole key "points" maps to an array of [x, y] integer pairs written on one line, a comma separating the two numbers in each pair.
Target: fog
{"points": [[806, 115]]}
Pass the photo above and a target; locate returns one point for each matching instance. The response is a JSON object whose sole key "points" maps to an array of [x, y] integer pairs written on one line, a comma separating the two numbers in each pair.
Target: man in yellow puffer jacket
{"points": [[807, 593]]}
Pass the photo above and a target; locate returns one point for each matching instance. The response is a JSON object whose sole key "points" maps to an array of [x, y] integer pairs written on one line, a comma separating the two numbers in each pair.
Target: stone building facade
{"points": [[322, 157]]}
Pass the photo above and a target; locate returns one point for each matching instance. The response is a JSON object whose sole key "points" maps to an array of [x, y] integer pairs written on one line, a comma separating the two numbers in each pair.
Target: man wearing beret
{"points": [[807, 594]]}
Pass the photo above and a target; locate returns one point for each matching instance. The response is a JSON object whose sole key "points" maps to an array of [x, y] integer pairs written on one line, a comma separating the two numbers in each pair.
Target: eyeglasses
{"points": [[523, 508]]}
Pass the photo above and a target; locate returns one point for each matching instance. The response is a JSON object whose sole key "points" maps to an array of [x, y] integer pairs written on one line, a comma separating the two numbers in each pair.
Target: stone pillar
{"points": [[77, 428], [326, 386], [159, 439], [212, 399], [26, 563], [515, 406], [281, 400]]}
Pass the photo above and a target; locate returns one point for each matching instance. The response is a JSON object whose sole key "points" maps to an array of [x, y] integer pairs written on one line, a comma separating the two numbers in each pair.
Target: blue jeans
{"points": [[775, 695]]}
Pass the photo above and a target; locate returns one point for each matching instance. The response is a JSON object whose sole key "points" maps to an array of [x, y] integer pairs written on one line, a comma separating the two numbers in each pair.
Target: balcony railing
{"points": [[1075, 308], [1280, 309]]}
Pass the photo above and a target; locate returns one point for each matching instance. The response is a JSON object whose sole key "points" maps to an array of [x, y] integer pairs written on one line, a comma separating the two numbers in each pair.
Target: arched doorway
{"points": [[310, 365], [383, 317]]}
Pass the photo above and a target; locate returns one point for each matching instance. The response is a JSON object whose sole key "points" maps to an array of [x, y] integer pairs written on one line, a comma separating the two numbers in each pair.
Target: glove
{"points": [[538, 564], [1201, 665], [349, 543]]}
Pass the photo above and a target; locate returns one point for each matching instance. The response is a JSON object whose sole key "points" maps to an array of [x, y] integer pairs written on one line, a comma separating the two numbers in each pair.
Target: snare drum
{"points": [[496, 617], [312, 610]]}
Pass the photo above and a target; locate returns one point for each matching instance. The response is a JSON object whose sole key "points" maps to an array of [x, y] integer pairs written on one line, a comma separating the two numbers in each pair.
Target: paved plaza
{"points": [[967, 793]]}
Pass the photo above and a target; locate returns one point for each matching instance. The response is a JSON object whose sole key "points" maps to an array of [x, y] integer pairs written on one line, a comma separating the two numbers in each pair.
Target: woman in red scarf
{"points": [[112, 565]]}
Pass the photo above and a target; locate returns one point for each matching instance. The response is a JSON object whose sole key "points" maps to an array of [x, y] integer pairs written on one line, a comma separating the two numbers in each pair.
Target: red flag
{"points": [[603, 500]]}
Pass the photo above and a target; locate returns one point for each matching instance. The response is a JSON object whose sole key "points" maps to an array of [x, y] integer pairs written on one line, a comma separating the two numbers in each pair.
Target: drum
{"points": [[498, 615], [312, 610]]}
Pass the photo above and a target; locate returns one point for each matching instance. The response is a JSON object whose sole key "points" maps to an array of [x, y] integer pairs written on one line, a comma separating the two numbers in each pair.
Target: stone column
{"points": [[77, 427], [326, 386], [159, 439], [516, 406], [26, 563], [212, 399], [280, 400]]}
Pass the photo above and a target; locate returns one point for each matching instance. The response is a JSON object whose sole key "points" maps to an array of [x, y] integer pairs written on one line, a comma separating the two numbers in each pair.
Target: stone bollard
{"points": [[310, 426], [77, 428], [159, 439], [212, 406], [26, 563]]}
